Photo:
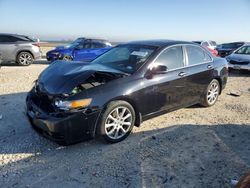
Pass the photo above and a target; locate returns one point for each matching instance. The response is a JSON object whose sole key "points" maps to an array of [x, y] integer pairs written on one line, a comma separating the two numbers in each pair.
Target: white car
{"points": [[240, 58], [207, 43]]}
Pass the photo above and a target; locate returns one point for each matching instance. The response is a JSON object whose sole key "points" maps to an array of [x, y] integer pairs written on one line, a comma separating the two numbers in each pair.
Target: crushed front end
{"points": [[63, 127], [66, 101]]}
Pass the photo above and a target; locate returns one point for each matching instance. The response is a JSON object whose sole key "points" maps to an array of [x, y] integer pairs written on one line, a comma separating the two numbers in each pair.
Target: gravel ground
{"points": [[191, 147]]}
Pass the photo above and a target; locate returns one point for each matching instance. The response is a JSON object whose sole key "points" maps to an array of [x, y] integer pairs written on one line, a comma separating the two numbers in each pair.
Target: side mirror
{"points": [[160, 69]]}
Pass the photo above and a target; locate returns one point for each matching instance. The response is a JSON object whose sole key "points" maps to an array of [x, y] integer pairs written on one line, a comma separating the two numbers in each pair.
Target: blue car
{"points": [[81, 50]]}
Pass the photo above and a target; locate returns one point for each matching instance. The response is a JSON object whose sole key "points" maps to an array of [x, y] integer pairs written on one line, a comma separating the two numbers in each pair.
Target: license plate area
{"points": [[237, 67]]}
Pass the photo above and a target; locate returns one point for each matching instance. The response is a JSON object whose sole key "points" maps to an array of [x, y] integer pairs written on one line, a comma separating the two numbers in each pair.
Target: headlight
{"points": [[67, 105], [55, 53]]}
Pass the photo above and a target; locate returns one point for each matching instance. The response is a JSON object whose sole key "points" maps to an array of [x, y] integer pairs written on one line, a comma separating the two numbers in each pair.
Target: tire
{"points": [[25, 58], [212, 93], [115, 128], [67, 58]]}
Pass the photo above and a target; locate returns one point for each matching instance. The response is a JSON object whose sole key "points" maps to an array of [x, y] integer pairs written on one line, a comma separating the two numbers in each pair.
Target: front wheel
{"points": [[67, 58], [211, 94], [117, 121]]}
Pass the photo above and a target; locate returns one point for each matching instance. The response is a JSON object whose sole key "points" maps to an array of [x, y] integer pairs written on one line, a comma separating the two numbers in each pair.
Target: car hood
{"points": [[239, 57], [61, 77]]}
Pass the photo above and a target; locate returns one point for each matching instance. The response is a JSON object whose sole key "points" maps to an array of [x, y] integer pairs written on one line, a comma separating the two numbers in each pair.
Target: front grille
{"points": [[239, 62], [43, 101]]}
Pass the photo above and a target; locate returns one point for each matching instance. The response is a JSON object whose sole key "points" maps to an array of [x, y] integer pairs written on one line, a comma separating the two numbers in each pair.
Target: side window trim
{"points": [[166, 48], [187, 60]]}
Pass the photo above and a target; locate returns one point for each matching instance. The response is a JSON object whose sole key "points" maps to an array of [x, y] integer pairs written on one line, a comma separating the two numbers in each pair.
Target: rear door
{"points": [[199, 72], [8, 47]]}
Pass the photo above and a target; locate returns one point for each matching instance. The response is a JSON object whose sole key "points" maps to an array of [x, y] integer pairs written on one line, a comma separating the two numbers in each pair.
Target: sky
{"points": [[126, 20]]}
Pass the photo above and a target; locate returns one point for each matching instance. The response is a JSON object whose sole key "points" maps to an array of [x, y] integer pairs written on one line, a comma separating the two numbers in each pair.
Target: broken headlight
{"points": [[68, 105]]}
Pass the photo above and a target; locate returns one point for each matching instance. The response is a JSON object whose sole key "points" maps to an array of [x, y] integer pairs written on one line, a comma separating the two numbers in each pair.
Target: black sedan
{"points": [[125, 86], [227, 48]]}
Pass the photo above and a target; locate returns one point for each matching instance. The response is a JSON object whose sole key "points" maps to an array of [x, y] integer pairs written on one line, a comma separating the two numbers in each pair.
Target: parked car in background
{"points": [[209, 45], [240, 59], [227, 48], [19, 48], [78, 40], [83, 50], [128, 84]]}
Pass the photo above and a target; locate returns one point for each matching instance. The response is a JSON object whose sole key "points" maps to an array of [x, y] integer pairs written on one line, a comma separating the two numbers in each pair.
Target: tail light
{"points": [[216, 53], [36, 44]]}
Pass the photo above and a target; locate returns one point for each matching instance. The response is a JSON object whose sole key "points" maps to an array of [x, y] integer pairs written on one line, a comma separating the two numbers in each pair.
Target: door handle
{"points": [[209, 66], [181, 74]]}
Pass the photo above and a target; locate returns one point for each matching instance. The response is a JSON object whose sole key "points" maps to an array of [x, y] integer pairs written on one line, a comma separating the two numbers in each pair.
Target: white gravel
{"points": [[191, 147]]}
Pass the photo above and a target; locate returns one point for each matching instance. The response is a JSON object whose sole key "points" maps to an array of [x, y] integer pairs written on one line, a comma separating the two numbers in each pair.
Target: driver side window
{"points": [[248, 50], [171, 57]]}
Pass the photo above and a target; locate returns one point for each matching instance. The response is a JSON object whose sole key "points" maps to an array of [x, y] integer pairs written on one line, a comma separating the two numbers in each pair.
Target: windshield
{"points": [[244, 50], [126, 58]]}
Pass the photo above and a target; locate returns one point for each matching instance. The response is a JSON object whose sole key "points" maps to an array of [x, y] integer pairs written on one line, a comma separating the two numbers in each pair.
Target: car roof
{"points": [[159, 43], [95, 40], [10, 34]]}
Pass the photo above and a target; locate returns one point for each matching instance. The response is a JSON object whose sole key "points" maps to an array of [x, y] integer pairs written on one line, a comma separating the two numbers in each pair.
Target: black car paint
{"points": [[62, 78], [149, 95]]}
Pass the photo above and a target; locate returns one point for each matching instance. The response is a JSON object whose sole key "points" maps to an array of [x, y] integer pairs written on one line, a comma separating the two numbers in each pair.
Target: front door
{"points": [[169, 88]]}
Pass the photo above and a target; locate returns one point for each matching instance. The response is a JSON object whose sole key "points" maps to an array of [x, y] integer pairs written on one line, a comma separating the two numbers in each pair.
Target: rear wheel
{"points": [[212, 94], [25, 58], [117, 121]]}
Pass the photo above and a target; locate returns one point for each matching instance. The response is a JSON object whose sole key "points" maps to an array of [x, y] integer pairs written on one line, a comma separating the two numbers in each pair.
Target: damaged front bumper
{"points": [[65, 128]]}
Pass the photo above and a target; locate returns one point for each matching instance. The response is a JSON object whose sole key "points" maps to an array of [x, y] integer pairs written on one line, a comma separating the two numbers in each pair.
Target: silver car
{"points": [[19, 48], [240, 58]]}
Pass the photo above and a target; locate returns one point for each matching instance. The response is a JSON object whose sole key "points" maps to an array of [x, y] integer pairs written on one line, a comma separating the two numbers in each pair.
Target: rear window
{"points": [[3, 38], [25, 38], [9, 38], [205, 44], [213, 43], [196, 55], [98, 45]]}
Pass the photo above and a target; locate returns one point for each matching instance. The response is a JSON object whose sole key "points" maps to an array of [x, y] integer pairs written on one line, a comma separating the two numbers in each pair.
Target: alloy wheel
{"points": [[67, 58], [25, 58], [213, 93], [118, 122]]}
